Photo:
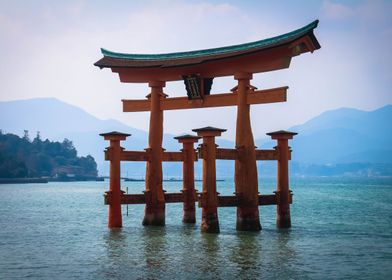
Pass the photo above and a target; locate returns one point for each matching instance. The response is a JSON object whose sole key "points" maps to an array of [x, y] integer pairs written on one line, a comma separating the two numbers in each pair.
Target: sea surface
{"points": [[342, 229]]}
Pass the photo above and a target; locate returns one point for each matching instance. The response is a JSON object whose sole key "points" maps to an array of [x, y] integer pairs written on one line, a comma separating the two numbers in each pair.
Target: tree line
{"points": [[21, 157]]}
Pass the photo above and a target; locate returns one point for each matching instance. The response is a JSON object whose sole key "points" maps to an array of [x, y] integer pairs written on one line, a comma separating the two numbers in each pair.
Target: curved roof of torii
{"points": [[259, 56]]}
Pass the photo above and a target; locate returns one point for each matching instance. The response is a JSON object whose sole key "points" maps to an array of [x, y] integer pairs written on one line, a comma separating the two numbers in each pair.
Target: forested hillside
{"points": [[25, 158]]}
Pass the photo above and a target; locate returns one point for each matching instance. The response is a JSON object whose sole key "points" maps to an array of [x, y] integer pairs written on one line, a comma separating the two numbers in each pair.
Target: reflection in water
{"points": [[115, 243], [285, 256], [189, 230], [209, 254], [154, 241], [245, 255], [182, 251], [188, 246]]}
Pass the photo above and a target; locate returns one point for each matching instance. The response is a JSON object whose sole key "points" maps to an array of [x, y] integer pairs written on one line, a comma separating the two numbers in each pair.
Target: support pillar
{"points": [[209, 196], [188, 171], [246, 179], [114, 155], [283, 218], [155, 200]]}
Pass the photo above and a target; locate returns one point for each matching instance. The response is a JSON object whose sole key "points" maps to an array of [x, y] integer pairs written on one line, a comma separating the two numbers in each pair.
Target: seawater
{"points": [[342, 229]]}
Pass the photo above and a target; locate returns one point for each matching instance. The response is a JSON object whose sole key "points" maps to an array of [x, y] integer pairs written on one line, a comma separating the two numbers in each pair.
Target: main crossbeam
{"points": [[214, 100]]}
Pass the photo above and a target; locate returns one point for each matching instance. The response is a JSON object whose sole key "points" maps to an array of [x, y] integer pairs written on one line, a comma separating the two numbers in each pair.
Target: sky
{"points": [[48, 49]]}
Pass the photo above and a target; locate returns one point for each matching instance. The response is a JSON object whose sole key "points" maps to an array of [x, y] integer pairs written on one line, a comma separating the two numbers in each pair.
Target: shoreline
{"points": [[47, 180]]}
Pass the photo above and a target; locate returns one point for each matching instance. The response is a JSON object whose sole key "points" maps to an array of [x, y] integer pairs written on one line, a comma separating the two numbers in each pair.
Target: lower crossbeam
{"points": [[223, 201]]}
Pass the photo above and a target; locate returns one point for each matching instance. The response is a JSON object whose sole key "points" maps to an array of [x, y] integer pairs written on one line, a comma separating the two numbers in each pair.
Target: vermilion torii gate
{"points": [[198, 69]]}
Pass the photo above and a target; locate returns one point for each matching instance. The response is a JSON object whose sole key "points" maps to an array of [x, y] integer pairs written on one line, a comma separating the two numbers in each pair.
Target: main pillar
{"points": [[188, 168], [114, 155], [246, 179], [155, 200], [209, 196], [283, 219]]}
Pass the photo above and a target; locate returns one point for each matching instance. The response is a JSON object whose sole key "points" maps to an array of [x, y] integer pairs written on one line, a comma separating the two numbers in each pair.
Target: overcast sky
{"points": [[48, 48]]}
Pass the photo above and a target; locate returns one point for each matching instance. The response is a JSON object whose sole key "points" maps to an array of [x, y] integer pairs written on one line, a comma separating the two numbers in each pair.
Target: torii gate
{"points": [[198, 69]]}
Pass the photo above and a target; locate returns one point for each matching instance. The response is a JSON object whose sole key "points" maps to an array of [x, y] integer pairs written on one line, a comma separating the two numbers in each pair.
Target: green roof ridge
{"points": [[213, 51]]}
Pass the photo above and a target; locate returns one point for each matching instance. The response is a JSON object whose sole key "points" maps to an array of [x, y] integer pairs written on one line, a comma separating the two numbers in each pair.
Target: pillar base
{"points": [[115, 217], [283, 220], [114, 224], [154, 216], [189, 217], [210, 223], [248, 219]]}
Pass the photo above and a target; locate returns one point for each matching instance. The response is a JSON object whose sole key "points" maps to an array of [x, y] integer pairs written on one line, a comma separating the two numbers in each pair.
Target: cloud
{"points": [[336, 10], [164, 28], [9, 27], [369, 11], [376, 11]]}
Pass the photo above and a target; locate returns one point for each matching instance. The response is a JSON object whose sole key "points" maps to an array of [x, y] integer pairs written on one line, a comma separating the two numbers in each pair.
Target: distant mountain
{"points": [[343, 136], [343, 139], [57, 120]]}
